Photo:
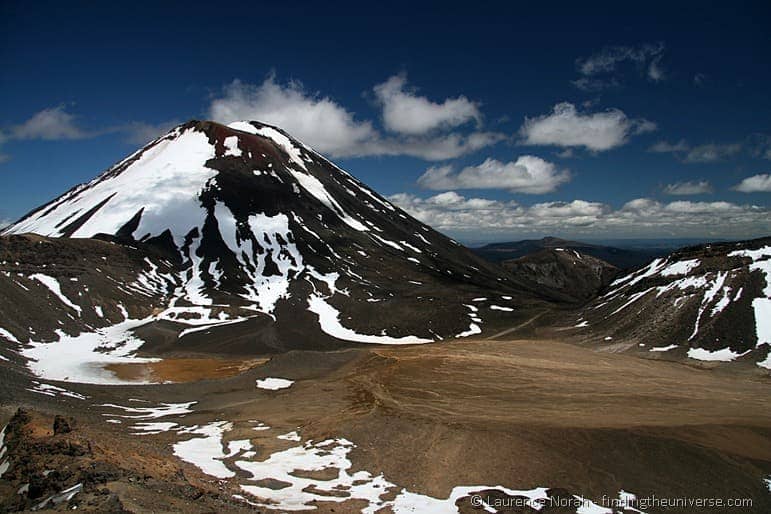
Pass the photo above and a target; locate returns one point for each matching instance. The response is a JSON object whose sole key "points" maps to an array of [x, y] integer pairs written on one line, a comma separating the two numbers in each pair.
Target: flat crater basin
{"points": [[182, 369]]}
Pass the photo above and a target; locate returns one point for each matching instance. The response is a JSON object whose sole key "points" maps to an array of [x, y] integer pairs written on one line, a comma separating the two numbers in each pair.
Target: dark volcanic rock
{"points": [[62, 425], [566, 270]]}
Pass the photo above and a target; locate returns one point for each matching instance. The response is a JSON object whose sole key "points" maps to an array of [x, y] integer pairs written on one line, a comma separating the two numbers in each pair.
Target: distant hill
{"points": [[621, 258], [577, 275]]}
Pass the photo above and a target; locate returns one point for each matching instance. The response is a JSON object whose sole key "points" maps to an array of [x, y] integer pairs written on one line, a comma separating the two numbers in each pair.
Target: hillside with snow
{"points": [[709, 303]]}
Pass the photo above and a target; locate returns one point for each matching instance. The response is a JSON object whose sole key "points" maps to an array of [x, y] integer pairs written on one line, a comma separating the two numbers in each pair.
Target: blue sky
{"points": [[492, 123]]}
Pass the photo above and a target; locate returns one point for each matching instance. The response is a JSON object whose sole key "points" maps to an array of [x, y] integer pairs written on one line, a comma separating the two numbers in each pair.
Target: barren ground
{"points": [[518, 413]]}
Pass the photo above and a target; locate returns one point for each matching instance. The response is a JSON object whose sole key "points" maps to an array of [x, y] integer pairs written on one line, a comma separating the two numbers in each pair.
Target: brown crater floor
{"points": [[182, 369], [519, 413]]}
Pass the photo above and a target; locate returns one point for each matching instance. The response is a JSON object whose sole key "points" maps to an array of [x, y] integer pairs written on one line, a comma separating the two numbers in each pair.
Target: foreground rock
{"points": [[48, 469]]}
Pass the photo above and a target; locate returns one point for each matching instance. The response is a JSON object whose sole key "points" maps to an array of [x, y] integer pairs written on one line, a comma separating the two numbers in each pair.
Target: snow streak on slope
{"points": [[52, 284], [329, 319]]}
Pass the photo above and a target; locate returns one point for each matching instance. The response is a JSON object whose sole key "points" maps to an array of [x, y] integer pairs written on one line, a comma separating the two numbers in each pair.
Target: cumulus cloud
{"points": [[760, 183], [50, 124], [332, 129], [319, 121], [453, 213], [528, 174], [600, 70], [701, 187], [407, 113], [566, 127]]}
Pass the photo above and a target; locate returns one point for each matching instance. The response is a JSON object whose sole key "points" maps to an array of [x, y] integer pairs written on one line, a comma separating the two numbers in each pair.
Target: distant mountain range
{"points": [[622, 258]]}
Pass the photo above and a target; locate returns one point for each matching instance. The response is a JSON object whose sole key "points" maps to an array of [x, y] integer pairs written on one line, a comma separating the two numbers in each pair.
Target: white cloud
{"points": [[566, 127], [700, 187], [319, 121], [655, 72], [330, 128], [56, 123], [665, 147], [430, 148], [406, 113], [607, 59], [528, 174], [50, 124], [712, 152], [760, 145], [478, 217], [141, 133], [760, 183], [591, 84], [600, 70], [4, 157]]}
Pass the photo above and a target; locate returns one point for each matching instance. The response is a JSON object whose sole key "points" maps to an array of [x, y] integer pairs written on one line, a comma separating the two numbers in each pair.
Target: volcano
{"points": [[241, 239]]}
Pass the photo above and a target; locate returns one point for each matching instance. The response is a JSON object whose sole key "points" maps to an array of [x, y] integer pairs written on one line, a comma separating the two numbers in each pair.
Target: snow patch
{"points": [[207, 452], [663, 348], [231, 146], [724, 355], [52, 390], [163, 410], [273, 384], [82, 358], [680, 268]]}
